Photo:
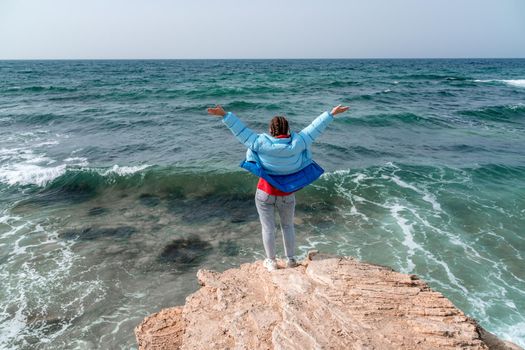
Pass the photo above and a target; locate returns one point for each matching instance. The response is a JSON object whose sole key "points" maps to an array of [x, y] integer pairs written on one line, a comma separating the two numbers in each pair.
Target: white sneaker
{"points": [[291, 262], [270, 264]]}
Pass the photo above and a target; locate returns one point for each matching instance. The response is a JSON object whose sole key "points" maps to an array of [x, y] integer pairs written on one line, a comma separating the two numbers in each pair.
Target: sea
{"points": [[116, 186]]}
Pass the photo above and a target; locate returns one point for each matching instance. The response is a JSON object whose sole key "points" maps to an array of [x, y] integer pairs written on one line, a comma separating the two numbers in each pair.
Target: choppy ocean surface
{"points": [[116, 187]]}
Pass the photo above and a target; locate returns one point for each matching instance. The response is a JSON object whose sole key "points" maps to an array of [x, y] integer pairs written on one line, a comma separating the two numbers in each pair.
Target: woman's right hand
{"points": [[217, 111], [339, 109]]}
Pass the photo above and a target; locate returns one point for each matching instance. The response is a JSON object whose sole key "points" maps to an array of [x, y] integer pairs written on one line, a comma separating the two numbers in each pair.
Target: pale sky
{"points": [[88, 29]]}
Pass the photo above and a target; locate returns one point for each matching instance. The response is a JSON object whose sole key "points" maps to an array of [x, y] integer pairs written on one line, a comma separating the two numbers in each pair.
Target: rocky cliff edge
{"points": [[325, 303]]}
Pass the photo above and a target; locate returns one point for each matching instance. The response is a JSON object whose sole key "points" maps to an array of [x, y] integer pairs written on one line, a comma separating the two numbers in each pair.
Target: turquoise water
{"points": [[116, 187]]}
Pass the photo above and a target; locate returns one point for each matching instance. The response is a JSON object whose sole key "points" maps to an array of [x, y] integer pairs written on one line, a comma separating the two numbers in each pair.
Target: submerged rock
{"points": [[187, 251], [149, 200], [229, 247], [235, 208], [90, 233], [46, 324], [325, 303], [95, 211]]}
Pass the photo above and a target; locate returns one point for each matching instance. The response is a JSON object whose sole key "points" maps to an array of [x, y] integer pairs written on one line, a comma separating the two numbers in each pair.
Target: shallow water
{"points": [[116, 187]]}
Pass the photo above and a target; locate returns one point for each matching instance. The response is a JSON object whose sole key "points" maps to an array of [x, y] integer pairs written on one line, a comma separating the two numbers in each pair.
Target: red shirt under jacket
{"points": [[266, 187]]}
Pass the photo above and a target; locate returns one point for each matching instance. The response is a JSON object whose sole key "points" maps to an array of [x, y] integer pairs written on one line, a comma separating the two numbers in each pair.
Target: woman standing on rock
{"points": [[283, 161]]}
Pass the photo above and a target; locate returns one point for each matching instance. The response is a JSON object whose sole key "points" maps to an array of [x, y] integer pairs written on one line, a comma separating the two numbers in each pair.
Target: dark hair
{"points": [[279, 126]]}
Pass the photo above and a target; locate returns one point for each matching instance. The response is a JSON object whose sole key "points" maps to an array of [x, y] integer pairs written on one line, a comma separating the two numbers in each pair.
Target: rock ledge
{"points": [[325, 303]]}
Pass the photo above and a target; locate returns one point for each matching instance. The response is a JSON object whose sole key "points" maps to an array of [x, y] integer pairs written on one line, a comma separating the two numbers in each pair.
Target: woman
{"points": [[280, 152]]}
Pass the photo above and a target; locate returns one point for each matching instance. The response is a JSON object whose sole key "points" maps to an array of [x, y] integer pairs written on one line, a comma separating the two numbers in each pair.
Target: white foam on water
{"points": [[8, 153], [408, 237], [10, 327], [124, 170], [505, 286], [514, 333], [313, 243], [29, 165], [81, 161], [515, 82], [512, 82], [359, 177], [510, 304], [6, 218], [38, 159], [22, 166], [518, 106], [355, 212], [27, 133], [479, 301], [29, 174], [330, 174], [43, 265], [454, 240], [356, 178], [11, 221], [46, 143], [426, 196]]}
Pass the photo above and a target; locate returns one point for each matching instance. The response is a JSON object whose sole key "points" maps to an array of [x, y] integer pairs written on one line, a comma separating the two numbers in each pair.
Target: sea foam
{"points": [[25, 167], [33, 296], [30, 174], [511, 82], [27, 173], [124, 170]]}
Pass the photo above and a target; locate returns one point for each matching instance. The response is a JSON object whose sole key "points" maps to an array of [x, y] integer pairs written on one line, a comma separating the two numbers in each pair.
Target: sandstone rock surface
{"points": [[325, 303]]}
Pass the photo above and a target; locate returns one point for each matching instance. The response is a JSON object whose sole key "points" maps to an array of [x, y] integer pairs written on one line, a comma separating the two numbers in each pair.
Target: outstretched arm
{"points": [[245, 135], [316, 128]]}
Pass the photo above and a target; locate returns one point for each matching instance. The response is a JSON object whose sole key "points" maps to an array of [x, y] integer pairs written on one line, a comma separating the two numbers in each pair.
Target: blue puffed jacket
{"points": [[278, 156]]}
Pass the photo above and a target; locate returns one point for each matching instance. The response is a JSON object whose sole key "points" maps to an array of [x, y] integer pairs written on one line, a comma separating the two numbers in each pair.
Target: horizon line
{"points": [[261, 59]]}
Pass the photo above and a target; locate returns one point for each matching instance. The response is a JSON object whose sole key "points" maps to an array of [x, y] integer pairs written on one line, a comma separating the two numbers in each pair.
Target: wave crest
{"points": [[26, 174], [511, 82]]}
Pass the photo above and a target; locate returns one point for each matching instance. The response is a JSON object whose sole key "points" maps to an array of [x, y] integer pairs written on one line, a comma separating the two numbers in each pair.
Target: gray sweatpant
{"points": [[285, 205]]}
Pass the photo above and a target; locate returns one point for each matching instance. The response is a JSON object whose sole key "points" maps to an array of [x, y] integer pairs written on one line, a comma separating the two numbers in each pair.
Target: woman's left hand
{"points": [[217, 111]]}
